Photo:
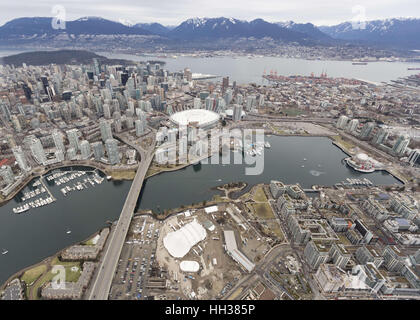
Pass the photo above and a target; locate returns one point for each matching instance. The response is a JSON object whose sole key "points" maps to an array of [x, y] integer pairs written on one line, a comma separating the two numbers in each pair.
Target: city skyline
{"points": [[168, 13]]}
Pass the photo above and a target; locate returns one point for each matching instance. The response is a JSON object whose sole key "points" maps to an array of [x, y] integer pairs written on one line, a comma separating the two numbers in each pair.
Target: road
{"points": [[102, 283]]}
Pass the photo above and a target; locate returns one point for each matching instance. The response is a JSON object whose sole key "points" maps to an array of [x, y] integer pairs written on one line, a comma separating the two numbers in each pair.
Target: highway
{"points": [[102, 283]]}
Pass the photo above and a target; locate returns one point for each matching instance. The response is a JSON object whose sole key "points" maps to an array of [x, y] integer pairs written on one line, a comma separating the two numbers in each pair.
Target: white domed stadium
{"points": [[201, 118], [361, 162]]}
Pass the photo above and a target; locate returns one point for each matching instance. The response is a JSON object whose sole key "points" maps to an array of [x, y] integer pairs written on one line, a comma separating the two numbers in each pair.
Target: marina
{"points": [[58, 179], [79, 185], [68, 220], [34, 195], [351, 183], [84, 216]]}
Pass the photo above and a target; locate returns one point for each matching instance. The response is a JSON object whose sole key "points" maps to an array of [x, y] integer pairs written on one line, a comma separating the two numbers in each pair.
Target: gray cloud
{"points": [[171, 12]]}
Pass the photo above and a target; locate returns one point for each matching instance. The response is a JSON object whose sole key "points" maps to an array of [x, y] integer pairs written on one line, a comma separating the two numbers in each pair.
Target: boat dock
{"points": [[80, 185], [39, 202]]}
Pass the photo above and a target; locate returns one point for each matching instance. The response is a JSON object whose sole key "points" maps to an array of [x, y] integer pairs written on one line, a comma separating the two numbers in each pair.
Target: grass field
{"points": [[70, 276], [275, 228], [346, 144], [259, 195], [292, 112], [263, 210], [122, 175], [31, 275]]}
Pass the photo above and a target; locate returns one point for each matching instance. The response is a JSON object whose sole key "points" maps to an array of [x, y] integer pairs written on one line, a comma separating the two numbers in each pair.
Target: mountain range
{"points": [[389, 32]]}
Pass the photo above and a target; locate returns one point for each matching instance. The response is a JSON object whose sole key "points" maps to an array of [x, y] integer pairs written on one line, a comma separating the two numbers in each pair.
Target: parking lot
{"points": [[137, 261]]}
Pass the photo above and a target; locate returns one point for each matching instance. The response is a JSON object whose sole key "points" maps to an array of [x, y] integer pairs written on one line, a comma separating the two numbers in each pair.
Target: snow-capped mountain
{"points": [[392, 32], [43, 27], [154, 27], [307, 28], [92, 31], [222, 28]]}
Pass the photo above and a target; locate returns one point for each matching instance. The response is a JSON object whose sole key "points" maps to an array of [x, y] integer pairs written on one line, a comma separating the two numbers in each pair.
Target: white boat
{"points": [[21, 209], [304, 159], [4, 252], [68, 231]]}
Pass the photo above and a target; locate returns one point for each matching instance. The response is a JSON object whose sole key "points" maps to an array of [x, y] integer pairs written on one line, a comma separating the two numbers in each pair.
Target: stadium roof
{"points": [[179, 243], [200, 117]]}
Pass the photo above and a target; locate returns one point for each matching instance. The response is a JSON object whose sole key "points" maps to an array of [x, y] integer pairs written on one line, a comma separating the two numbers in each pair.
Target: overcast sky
{"points": [[172, 12]]}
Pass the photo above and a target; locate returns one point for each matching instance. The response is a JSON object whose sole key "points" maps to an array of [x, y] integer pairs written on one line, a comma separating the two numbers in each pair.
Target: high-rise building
{"points": [[209, 103], [111, 146], [20, 158], [7, 174], [225, 84], [414, 157], [16, 123], [96, 66], [59, 155], [342, 122], [106, 131], [367, 130], [139, 128], [239, 98], [197, 103], [401, 144], [417, 256], [4, 109], [251, 102], [129, 123], [352, 125], [316, 253], [85, 149], [364, 255], [228, 96], [339, 255], [187, 74], [38, 151], [98, 150], [71, 153], [381, 136], [107, 110], [58, 140], [329, 278], [393, 261], [237, 112], [73, 137]]}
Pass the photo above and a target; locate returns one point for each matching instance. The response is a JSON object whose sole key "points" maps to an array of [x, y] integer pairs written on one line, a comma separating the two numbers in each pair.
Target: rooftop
{"points": [[199, 117]]}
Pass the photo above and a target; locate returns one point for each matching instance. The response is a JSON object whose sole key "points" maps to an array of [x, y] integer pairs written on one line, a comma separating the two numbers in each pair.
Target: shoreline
{"points": [[342, 148], [45, 171], [176, 210], [20, 273]]}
